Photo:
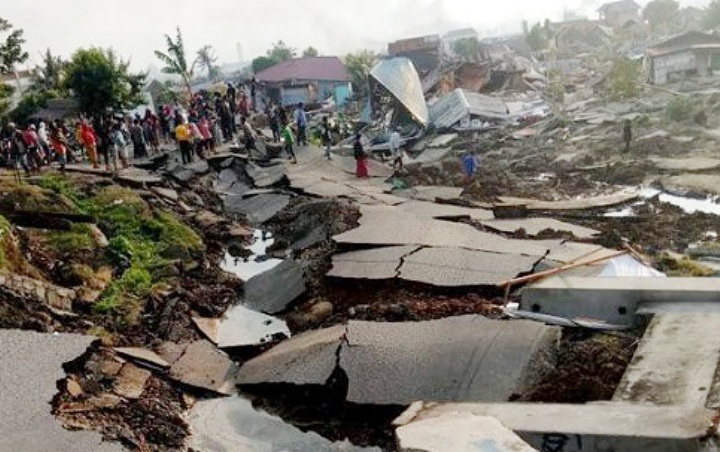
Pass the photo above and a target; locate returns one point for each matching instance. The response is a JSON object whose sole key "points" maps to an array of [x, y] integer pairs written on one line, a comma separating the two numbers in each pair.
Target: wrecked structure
{"points": [[691, 54]]}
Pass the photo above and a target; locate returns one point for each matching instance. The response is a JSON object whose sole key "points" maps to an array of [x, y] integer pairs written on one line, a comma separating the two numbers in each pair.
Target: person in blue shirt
{"points": [[470, 165], [301, 123]]}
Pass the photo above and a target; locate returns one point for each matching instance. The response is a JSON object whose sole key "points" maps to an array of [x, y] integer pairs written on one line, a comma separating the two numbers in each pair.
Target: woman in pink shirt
{"points": [[207, 136]]}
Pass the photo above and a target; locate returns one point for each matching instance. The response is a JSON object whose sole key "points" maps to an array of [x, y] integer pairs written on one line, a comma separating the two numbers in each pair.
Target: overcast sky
{"points": [[135, 28]]}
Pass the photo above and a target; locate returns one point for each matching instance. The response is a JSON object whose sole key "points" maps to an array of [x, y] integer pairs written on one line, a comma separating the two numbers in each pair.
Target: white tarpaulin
{"points": [[399, 77], [627, 266]]}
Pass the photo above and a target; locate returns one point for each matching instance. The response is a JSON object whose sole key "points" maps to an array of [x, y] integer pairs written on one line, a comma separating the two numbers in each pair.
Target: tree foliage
{"points": [[467, 48], [100, 80], [711, 20], [11, 52], [5, 92], [625, 79], [359, 66], [206, 60], [281, 52], [536, 37], [176, 61], [310, 52], [50, 76], [261, 63], [660, 13]]}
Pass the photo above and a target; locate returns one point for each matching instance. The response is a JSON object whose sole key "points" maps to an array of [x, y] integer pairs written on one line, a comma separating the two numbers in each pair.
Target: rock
{"points": [[170, 351], [204, 366], [98, 236], [257, 209], [166, 193], [274, 290], [208, 219], [110, 367], [73, 388], [143, 356], [130, 382], [321, 311], [198, 167]]}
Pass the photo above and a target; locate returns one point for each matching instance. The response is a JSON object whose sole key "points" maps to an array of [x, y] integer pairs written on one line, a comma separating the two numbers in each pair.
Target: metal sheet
{"points": [[400, 78], [461, 104]]}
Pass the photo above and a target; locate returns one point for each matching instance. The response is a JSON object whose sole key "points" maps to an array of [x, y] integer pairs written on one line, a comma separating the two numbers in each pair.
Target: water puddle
{"points": [[258, 262], [708, 205]]}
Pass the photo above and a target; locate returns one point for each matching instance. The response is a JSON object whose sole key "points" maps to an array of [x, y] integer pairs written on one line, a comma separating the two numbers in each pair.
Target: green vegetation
{"points": [[5, 230], [79, 238], [278, 53], [680, 109], [625, 79], [142, 241], [359, 66], [684, 267]]}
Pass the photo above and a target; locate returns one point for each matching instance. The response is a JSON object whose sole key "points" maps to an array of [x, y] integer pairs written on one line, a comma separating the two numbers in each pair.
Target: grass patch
{"points": [[5, 238], [80, 237], [684, 267]]}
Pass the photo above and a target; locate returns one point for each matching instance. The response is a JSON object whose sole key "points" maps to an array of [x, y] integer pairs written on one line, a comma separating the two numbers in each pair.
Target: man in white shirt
{"points": [[395, 149]]}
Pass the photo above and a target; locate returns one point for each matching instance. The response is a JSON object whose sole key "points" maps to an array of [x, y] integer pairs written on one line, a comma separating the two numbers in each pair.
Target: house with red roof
{"points": [[309, 80]]}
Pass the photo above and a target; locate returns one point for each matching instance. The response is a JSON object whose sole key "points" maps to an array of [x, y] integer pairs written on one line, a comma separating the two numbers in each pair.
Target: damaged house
{"points": [[425, 52], [690, 54], [308, 80]]}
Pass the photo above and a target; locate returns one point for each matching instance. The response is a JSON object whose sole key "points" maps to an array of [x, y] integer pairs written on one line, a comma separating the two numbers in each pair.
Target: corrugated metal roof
{"points": [[460, 104], [399, 77], [312, 68]]}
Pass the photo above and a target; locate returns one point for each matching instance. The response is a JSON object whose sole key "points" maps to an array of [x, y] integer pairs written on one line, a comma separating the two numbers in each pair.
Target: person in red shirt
{"points": [[89, 140]]}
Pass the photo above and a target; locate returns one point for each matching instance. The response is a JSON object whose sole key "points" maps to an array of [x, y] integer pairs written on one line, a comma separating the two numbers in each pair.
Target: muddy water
{"points": [[258, 262]]}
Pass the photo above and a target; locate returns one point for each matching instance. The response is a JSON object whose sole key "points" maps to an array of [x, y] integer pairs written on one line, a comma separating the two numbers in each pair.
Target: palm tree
{"points": [[175, 61], [49, 77], [206, 59]]}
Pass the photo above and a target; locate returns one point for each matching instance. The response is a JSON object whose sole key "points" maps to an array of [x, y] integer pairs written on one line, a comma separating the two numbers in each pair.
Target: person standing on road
{"points": [[301, 122], [361, 162], [274, 120], [627, 134], [183, 137], [137, 136], [470, 165], [396, 149], [327, 137], [289, 138]]}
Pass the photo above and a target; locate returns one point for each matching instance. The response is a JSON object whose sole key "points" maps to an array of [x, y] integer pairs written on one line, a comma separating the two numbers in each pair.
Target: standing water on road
{"points": [[258, 262]]}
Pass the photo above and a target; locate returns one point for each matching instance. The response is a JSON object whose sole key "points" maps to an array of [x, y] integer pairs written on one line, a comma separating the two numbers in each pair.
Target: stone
{"points": [[130, 382], [166, 193], [73, 388], [265, 176], [110, 367], [170, 351], [257, 209], [143, 356]]}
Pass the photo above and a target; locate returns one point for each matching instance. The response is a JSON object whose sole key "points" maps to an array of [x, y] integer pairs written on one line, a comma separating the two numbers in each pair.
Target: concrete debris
{"points": [[379, 263], [273, 291], [243, 327], [54, 296], [130, 382], [143, 356], [573, 204], [453, 432], [257, 209], [265, 176], [534, 226], [233, 424], [204, 366], [32, 365], [460, 358], [306, 359], [432, 194], [166, 193]]}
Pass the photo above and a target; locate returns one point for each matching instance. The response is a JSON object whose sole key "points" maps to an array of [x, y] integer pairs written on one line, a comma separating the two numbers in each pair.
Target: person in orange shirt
{"points": [[89, 140]]}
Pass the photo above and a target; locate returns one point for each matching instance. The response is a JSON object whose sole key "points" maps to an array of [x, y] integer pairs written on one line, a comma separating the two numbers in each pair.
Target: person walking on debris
{"points": [[118, 146], [301, 122], [627, 134], [327, 137], [289, 138], [274, 120], [470, 165], [248, 135], [396, 149], [60, 144], [137, 136], [182, 135], [361, 162]]}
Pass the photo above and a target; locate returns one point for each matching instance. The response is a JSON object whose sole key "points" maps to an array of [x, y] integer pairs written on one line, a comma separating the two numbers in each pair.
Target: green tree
{"points": [[11, 52], [100, 81], [6, 91], [660, 13], [625, 79], [359, 66], [310, 52], [537, 37], [711, 20], [281, 52], [176, 61], [467, 48], [206, 59], [49, 77], [261, 63]]}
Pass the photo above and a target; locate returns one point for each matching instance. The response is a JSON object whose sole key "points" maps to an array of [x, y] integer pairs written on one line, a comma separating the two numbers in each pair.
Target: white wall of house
{"points": [[666, 65]]}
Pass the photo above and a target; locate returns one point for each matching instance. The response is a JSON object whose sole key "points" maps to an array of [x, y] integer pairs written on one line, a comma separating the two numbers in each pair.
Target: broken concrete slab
{"points": [[143, 356], [265, 176], [598, 426], [204, 366], [137, 176], [434, 193], [453, 267], [31, 367], [166, 193], [675, 363], [306, 359], [233, 424], [257, 209], [273, 291], [573, 204], [686, 164], [243, 327], [451, 432], [425, 209], [469, 358], [130, 382], [442, 140], [379, 263], [534, 226]]}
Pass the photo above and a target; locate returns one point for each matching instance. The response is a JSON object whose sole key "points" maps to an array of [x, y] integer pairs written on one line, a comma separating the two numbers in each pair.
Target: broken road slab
{"points": [[257, 209], [243, 327], [534, 226], [433, 193], [143, 356], [469, 358], [130, 382], [573, 204], [425, 209], [232, 424], [265, 176], [306, 359], [453, 267], [31, 367], [377, 264], [204, 366], [273, 291]]}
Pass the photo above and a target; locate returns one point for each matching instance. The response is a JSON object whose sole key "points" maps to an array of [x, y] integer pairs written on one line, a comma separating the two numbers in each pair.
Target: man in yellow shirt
{"points": [[183, 137]]}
